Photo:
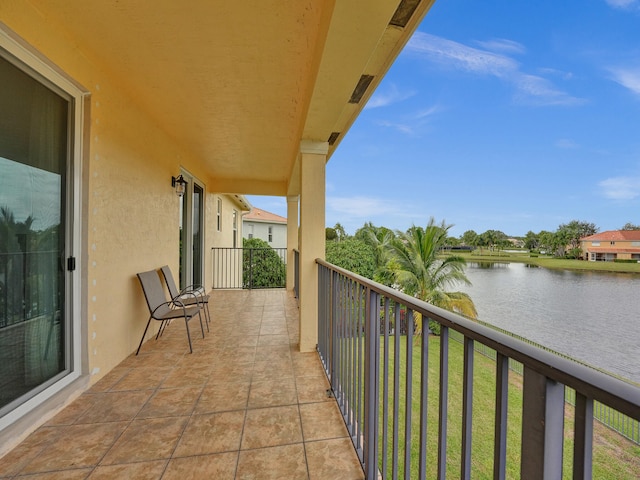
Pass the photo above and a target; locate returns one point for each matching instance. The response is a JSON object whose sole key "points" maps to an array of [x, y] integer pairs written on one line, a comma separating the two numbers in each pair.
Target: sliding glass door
{"points": [[35, 137], [192, 233]]}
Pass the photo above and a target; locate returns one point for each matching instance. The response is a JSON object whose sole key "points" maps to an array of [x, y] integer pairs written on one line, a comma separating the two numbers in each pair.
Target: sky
{"points": [[508, 115]]}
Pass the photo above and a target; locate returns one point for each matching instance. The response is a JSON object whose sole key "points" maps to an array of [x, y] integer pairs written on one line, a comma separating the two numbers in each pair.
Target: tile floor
{"points": [[245, 405]]}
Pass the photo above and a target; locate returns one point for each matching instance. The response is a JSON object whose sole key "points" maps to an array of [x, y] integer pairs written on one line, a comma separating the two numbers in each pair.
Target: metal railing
{"points": [[296, 269], [249, 268], [412, 407]]}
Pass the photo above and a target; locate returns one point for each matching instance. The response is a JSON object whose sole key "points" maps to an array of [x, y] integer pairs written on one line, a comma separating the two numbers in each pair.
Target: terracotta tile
{"points": [[211, 433], [333, 459], [231, 372], [21, 455], [77, 446], [115, 406], [223, 396], [138, 471], [146, 439], [272, 393], [186, 375], [171, 402], [322, 421], [221, 466], [142, 378], [268, 427], [110, 379], [71, 413], [273, 329], [306, 364], [313, 389], [273, 340], [75, 474], [273, 463]]}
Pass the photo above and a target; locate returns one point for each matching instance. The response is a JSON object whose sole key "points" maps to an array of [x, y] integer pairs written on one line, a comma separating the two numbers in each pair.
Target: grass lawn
{"points": [[614, 456], [548, 261]]}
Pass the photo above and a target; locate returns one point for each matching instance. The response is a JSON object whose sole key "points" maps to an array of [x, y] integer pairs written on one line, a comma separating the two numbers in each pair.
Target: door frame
{"points": [[186, 254], [32, 62]]}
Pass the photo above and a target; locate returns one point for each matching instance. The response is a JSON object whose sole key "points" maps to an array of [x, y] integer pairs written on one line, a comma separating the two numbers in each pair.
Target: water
{"points": [[591, 316]]}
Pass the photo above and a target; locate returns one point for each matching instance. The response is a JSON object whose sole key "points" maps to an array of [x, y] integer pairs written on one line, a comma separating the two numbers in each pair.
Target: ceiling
{"points": [[239, 84]]}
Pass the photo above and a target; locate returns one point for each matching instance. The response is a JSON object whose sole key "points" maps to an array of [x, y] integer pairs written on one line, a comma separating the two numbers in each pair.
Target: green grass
{"points": [[549, 262], [614, 456]]}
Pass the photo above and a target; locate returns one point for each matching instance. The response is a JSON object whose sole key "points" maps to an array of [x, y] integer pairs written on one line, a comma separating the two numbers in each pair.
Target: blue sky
{"points": [[509, 115]]}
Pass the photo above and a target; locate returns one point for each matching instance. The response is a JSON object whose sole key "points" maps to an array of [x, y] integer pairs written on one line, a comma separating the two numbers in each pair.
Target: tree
{"points": [[378, 238], [531, 240], [420, 273], [262, 266], [352, 254], [493, 238], [470, 238], [630, 226], [330, 234], [568, 236], [340, 232]]}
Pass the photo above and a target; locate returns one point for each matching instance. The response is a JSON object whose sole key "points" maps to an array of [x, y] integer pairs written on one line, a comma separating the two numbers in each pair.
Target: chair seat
{"points": [[167, 313]]}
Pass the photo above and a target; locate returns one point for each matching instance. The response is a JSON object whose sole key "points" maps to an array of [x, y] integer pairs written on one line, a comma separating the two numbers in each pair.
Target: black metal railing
{"points": [[249, 268], [413, 408]]}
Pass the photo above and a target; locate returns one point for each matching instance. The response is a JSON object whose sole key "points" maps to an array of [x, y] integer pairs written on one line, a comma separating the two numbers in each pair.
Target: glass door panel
{"points": [[34, 143], [198, 196]]}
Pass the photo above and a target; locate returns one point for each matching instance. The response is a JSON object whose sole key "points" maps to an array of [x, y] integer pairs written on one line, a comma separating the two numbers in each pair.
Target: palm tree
{"points": [[379, 238], [420, 273]]}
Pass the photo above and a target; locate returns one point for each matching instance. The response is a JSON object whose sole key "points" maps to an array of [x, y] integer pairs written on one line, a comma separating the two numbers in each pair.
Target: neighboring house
{"points": [[266, 226], [611, 245]]}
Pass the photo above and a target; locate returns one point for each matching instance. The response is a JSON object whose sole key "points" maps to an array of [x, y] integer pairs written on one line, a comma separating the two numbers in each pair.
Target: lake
{"points": [[591, 316]]}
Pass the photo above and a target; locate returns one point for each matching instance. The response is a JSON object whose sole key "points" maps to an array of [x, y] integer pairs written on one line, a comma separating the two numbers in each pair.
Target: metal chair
{"points": [[162, 310], [192, 295]]}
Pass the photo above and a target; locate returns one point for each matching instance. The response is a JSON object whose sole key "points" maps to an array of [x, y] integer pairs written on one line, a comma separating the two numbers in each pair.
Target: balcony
{"points": [[245, 404]]}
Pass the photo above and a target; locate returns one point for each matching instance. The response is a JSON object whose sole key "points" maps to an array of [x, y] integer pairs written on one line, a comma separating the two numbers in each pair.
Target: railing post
{"points": [[371, 384], [542, 427]]}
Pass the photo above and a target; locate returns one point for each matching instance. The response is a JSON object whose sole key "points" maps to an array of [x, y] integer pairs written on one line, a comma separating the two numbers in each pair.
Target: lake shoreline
{"points": [[549, 262]]}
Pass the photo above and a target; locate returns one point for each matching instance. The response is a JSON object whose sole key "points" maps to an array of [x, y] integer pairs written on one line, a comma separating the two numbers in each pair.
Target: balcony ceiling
{"points": [[239, 84]]}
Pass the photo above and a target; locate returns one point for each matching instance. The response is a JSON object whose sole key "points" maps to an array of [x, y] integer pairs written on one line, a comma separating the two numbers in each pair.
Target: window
{"points": [[612, 243], [219, 215], [270, 234], [595, 244]]}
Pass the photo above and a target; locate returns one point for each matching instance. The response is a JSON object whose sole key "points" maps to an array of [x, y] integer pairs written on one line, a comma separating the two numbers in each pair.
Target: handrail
{"points": [[621, 395], [355, 317]]}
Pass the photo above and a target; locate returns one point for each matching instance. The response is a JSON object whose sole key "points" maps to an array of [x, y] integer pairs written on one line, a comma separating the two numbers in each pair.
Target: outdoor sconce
{"points": [[179, 184]]}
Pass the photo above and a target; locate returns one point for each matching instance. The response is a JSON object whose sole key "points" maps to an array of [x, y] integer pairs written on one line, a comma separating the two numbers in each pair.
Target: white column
{"points": [[292, 238], [312, 236]]}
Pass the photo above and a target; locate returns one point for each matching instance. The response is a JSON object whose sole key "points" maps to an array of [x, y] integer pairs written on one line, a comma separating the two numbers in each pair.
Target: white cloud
{"points": [[502, 45], [531, 89], [360, 207], [628, 78], [412, 123], [390, 96], [621, 188], [623, 4]]}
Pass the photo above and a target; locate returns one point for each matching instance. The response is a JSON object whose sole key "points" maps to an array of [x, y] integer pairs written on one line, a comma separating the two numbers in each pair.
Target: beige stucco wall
{"points": [[131, 214]]}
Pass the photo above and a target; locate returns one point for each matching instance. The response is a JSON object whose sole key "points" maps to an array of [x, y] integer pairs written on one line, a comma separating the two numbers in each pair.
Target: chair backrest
{"points": [[153, 291], [171, 284]]}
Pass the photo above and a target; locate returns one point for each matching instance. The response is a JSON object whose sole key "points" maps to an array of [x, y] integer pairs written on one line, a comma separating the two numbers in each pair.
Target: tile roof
{"points": [[259, 215], [614, 235]]}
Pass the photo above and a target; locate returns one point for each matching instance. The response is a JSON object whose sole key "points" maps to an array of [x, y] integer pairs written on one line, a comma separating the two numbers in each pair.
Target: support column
{"points": [[292, 238], [312, 236]]}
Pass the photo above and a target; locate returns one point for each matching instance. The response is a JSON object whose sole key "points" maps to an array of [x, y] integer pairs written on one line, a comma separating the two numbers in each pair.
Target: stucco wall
{"points": [[261, 230], [131, 214]]}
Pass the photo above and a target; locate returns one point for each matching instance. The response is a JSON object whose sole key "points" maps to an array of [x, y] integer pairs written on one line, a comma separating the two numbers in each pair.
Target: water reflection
{"points": [[590, 316]]}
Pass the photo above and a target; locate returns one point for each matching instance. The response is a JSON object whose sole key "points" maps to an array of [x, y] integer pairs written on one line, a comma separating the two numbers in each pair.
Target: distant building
{"points": [[611, 245], [266, 226]]}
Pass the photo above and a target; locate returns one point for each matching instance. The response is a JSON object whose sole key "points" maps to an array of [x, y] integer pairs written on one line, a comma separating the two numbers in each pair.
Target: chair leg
{"points": [[186, 324], [207, 315], [145, 332], [201, 327]]}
